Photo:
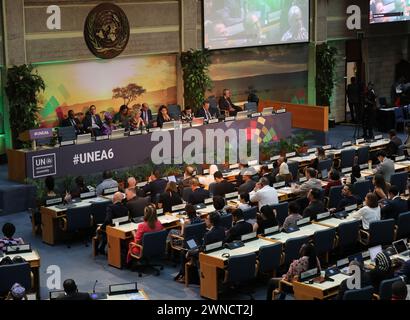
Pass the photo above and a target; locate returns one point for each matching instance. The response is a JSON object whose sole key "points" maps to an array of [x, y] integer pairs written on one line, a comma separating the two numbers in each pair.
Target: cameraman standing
{"points": [[369, 111]]}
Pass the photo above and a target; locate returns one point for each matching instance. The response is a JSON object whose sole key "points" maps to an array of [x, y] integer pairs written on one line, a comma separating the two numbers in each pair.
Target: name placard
{"points": [[101, 138]]}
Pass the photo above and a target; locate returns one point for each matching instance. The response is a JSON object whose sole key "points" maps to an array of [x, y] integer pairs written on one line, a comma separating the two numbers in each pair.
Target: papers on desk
{"points": [[338, 278], [286, 190], [249, 247], [167, 219]]}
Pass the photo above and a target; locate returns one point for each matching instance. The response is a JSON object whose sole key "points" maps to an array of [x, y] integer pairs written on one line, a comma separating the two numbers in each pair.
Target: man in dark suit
{"points": [[204, 111], [315, 205], [114, 211], [198, 194], [71, 292], [240, 227], [394, 205], [155, 185], [226, 105], [72, 121], [348, 199], [92, 122], [135, 204], [394, 143], [146, 114], [216, 233], [221, 186]]}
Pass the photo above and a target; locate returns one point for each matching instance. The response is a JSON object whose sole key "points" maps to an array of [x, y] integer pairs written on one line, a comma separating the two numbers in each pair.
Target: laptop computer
{"points": [[54, 295], [191, 244], [324, 174], [401, 248]]}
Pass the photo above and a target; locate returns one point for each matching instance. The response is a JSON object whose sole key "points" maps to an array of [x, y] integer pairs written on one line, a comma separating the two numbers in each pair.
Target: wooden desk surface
{"points": [[307, 230], [334, 222], [140, 295], [33, 257], [83, 203], [249, 247]]}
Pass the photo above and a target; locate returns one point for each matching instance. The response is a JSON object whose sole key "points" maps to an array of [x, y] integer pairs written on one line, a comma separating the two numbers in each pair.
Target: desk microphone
{"points": [[95, 284]]}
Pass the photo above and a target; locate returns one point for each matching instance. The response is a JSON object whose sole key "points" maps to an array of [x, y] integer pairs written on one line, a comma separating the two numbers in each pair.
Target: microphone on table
{"points": [[95, 284]]}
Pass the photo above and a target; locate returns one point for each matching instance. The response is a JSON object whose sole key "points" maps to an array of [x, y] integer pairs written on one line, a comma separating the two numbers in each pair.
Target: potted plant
{"points": [[325, 73], [22, 89], [195, 66]]}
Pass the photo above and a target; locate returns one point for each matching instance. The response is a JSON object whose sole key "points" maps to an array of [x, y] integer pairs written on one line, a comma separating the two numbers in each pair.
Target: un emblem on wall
{"points": [[107, 31]]}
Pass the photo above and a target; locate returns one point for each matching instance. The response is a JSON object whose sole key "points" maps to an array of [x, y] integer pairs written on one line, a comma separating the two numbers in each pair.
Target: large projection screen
{"points": [[389, 11], [250, 23]]}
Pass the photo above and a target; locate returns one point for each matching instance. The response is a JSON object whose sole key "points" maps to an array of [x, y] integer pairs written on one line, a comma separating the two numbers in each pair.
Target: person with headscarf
{"points": [[108, 125], [382, 271], [17, 292]]}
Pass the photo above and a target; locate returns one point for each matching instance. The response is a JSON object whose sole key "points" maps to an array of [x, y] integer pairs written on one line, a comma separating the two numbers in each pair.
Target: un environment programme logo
{"points": [[107, 31], [211, 146]]}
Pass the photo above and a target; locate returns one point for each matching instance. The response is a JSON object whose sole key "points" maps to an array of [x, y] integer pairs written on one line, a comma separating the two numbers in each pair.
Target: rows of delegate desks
{"points": [[209, 262]]}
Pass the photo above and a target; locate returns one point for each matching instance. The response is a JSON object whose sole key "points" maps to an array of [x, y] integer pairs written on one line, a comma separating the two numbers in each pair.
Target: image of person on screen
{"points": [[297, 32]]}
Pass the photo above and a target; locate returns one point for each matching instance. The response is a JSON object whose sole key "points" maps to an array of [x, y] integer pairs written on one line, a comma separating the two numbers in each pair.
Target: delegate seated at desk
{"points": [[198, 194], [72, 293], [92, 122], [72, 121], [263, 194], [170, 197], [311, 183], [386, 166], [395, 205], [163, 116], [307, 261], [150, 224], [155, 185], [107, 183], [226, 104], [221, 186], [369, 213], [8, 237], [348, 199], [315, 205], [114, 211], [239, 228], [135, 204]]}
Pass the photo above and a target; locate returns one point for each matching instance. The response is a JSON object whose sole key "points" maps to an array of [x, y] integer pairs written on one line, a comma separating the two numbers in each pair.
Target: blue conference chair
{"points": [[152, 247], [335, 195], [292, 248], [99, 211], [347, 158], [403, 226], [14, 273], [294, 169], [325, 164], [250, 214], [365, 293], [270, 258], [174, 111], [195, 231], [399, 179], [362, 188], [240, 271], [348, 235], [281, 212], [399, 117], [226, 221], [363, 154], [385, 288], [77, 222], [324, 242], [380, 233]]}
